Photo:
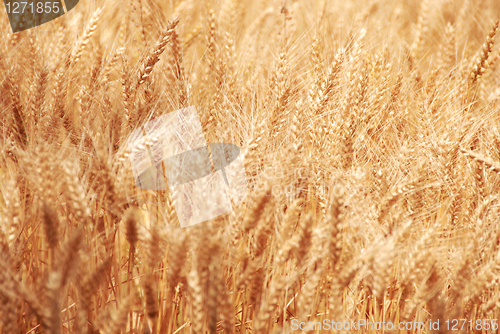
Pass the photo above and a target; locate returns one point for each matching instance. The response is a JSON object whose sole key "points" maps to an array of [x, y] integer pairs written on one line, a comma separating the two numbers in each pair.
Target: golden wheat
{"points": [[351, 116]]}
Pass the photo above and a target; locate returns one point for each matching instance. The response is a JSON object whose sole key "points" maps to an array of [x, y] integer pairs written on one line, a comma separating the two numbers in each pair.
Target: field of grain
{"points": [[371, 139]]}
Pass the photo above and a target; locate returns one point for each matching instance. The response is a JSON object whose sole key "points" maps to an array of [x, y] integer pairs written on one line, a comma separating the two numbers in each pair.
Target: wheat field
{"points": [[371, 141]]}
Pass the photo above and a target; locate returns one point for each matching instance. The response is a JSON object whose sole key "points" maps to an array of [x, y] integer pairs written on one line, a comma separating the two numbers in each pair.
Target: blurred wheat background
{"points": [[382, 116]]}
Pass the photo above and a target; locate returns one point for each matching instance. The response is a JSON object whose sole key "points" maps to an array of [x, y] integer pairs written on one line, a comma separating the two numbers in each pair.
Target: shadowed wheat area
{"points": [[370, 135]]}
